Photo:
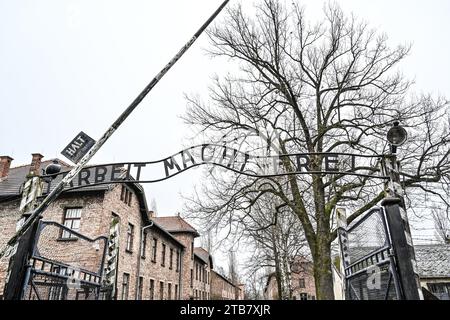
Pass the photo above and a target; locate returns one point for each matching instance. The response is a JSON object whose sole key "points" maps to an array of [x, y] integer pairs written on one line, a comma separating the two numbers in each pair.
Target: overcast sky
{"points": [[67, 66]]}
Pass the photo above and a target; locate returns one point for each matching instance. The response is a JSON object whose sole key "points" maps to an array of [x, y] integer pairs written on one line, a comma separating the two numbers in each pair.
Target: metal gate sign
{"points": [[229, 159], [78, 147]]}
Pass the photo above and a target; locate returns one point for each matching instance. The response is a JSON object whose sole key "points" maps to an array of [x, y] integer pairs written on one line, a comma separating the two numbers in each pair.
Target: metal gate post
{"points": [[403, 248], [18, 268]]}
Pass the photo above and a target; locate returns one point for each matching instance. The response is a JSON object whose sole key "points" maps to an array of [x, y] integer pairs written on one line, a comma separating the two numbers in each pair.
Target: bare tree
{"points": [[442, 225], [255, 285], [333, 86], [207, 241], [154, 207], [233, 267], [277, 240]]}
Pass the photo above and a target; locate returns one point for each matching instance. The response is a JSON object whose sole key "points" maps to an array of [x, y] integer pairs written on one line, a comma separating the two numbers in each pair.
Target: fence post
{"points": [[403, 248], [341, 218], [18, 265]]}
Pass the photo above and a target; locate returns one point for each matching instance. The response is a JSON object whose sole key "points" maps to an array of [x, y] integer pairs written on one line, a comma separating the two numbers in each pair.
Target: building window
{"points": [[130, 236], [161, 290], [169, 291], [171, 259], [301, 283], [192, 251], [125, 286], [152, 289], [303, 296], [140, 284], [440, 289], [163, 255], [178, 261], [196, 271], [154, 249], [72, 218], [192, 278], [122, 193], [126, 195], [144, 245], [176, 292]]}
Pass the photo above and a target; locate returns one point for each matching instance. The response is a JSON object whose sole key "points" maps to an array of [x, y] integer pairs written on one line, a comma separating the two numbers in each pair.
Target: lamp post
{"points": [[397, 219], [51, 171], [396, 137]]}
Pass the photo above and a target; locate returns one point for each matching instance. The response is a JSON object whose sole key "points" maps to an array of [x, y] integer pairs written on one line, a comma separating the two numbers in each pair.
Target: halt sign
{"points": [[78, 147]]}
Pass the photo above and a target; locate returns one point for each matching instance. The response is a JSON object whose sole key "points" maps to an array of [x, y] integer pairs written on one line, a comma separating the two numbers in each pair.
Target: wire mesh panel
{"points": [[378, 284], [368, 236], [65, 265], [370, 271]]}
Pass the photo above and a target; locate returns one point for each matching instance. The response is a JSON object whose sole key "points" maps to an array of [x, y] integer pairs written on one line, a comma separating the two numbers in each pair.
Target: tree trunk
{"points": [[323, 272], [278, 275]]}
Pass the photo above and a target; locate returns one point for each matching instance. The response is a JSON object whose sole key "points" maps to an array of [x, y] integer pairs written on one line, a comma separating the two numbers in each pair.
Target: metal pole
{"points": [[400, 232], [60, 187]]}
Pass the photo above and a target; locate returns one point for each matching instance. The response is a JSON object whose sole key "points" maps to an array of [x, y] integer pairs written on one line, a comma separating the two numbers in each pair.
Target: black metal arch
{"points": [[225, 158]]}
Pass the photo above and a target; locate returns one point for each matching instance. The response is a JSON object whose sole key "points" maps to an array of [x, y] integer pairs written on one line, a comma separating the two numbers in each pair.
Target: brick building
{"points": [[148, 257], [196, 262], [302, 282], [223, 288], [203, 265], [160, 272]]}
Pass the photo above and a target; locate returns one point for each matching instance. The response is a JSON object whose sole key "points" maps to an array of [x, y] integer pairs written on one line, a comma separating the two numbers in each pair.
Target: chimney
{"points": [[5, 164], [35, 163], [151, 214]]}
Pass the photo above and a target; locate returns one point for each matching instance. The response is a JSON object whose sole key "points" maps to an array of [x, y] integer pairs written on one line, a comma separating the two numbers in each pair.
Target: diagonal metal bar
{"points": [[388, 288], [109, 132]]}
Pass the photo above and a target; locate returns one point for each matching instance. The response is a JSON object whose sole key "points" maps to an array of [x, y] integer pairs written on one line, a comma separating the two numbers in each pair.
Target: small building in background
{"points": [[222, 288], [302, 282]]}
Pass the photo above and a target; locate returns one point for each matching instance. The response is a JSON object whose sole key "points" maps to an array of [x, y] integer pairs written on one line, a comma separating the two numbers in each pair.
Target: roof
{"points": [[11, 186], [223, 277], [433, 261], [175, 224], [203, 255], [165, 232]]}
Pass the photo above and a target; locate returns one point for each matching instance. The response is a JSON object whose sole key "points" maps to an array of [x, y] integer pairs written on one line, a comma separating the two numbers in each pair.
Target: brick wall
{"points": [[201, 282], [154, 269], [187, 239], [9, 215], [302, 282], [221, 289], [128, 215]]}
